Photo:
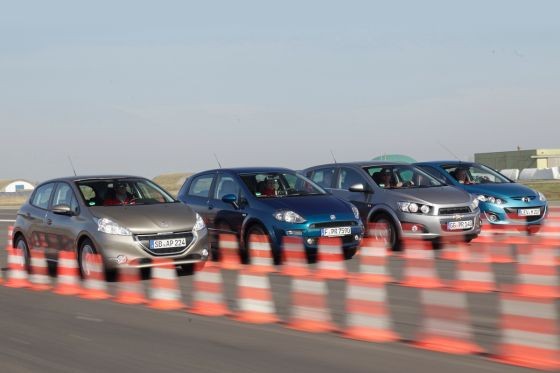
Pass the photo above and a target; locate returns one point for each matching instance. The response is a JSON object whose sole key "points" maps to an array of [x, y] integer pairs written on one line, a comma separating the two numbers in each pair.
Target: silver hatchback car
{"points": [[404, 198], [128, 220]]}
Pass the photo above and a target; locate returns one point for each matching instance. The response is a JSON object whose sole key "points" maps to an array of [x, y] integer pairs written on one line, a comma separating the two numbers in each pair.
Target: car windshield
{"points": [[122, 191], [401, 176], [475, 174], [280, 184]]}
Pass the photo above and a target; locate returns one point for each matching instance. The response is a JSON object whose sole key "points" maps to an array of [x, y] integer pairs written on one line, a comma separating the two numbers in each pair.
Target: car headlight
{"points": [[474, 204], [490, 199], [413, 207], [356, 212], [199, 225], [542, 197], [110, 227], [288, 216]]}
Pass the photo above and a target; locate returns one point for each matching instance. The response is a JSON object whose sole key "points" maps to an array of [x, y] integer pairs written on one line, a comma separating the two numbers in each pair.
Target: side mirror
{"points": [[360, 188], [230, 198], [62, 209]]}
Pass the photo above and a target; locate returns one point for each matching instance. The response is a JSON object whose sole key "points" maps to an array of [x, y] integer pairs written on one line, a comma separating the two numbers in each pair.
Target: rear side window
{"points": [[323, 177], [348, 177], [42, 196], [200, 186]]}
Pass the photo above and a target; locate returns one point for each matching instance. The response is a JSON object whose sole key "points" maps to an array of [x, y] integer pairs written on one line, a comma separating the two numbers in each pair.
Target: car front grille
{"points": [[144, 240], [333, 224], [524, 198], [455, 210]]}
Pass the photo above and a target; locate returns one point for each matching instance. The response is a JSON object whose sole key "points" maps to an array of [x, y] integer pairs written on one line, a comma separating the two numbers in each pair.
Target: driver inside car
{"points": [[118, 196]]}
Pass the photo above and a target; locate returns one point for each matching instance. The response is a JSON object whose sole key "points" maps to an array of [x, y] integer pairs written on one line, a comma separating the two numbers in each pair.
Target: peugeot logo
{"points": [[333, 217], [163, 224]]}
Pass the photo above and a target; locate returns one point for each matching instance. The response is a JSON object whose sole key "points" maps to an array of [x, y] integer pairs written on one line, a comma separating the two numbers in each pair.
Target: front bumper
{"points": [[128, 251], [509, 214], [430, 227]]}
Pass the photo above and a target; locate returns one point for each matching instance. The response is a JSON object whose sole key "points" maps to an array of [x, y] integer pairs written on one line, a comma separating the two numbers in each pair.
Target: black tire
{"points": [[391, 232], [86, 247], [21, 244], [258, 230]]}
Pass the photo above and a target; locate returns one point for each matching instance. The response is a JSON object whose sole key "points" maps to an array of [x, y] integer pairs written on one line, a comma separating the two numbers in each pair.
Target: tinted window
{"points": [[323, 177], [226, 185], [42, 196], [432, 172], [200, 186], [122, 191], [475, 174], [280, 184], [401, 176], [65, 196], [348, 177]]}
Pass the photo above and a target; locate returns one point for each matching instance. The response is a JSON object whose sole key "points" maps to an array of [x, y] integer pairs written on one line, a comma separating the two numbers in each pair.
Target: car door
{"points": [[347, 177], [228, 217], [63, 228], [198, 196], [36, 217]]}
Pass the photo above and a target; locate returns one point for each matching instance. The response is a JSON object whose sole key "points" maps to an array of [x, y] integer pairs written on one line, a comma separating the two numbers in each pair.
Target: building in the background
{"points": [[520, 159], [395, 158], [12, 186]]}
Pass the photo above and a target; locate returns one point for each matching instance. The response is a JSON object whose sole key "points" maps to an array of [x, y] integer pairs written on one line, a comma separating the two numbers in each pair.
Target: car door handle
{"points": [[49, 221], [210, 206]]}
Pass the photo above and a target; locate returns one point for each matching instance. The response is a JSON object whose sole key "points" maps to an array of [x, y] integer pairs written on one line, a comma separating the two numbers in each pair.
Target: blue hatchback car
{"points": [[502, 200], [276, 202]]}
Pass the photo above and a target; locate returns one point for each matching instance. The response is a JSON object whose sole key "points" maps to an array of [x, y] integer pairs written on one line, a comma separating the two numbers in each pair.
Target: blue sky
{"points": [[154, 87]]}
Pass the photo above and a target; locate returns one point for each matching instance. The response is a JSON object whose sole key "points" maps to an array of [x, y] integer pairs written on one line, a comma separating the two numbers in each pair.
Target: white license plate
{"points": [[529, 212], [456, 225], [336, 231], [167, 243]]}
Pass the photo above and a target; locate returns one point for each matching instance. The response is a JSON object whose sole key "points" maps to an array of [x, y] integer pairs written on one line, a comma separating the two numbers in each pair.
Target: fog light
{"points": [[492, 218], [310, 241], [121, 259], [414, 228], [204, 253], [356, 238]]}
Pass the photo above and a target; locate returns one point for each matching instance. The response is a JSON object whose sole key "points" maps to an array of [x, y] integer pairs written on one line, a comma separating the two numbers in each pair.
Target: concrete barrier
{"points": [[540, 174], [511, 173]]}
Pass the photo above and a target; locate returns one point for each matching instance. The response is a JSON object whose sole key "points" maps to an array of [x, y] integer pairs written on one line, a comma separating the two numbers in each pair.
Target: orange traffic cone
{"points": [[68, 276], [129, 286], [529, 332], [373, 261], [330, 259], [445, 325], [164, 291], [260, 254], [17, 274], [309, 310], [474, 273], [39, 276], [294, 261], [229, 252], [208, 294], [95, 286], [367, 315], [420, 268], [9, 240], [254, 299]]}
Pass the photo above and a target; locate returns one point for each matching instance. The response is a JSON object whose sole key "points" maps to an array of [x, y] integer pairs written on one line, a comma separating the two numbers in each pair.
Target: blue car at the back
{"points": [[276, 202], [502, 201]]}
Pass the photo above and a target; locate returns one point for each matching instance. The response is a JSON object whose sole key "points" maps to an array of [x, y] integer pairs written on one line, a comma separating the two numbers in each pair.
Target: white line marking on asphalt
{"points": [[7, 220], [80, 337], [87, 318]]}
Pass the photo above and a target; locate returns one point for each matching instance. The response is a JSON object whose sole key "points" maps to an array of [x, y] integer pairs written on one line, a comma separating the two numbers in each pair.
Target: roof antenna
{"points": [[217, 160], [334, 159], [72, 165], [449, 151]]}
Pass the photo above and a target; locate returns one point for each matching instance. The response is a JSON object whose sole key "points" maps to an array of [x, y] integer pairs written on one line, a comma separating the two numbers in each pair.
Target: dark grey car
{"points": [[127, 226], [403, 197]]}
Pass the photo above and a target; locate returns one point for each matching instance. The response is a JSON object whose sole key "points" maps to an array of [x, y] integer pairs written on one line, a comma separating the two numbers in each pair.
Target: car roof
{"points": [[452, 162], [361, 164], [240, 170], [91, 177]]}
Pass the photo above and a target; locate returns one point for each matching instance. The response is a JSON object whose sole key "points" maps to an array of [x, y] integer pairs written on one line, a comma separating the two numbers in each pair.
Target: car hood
{"points": [[443, 195], [157, 218], [505, 190], [311, 205]]}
